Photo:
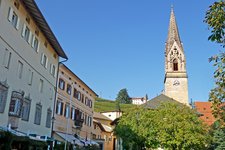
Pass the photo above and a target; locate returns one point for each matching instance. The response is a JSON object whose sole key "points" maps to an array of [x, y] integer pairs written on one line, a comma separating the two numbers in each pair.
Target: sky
{"points": [[116, 44]]}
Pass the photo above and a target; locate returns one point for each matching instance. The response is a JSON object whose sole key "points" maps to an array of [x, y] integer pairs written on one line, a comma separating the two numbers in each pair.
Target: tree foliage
{"points": [[123, 97], [171, 126], [215, 18]]}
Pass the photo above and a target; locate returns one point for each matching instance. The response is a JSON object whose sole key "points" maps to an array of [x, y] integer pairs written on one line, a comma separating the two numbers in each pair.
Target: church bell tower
{"points": [[176, 79]]}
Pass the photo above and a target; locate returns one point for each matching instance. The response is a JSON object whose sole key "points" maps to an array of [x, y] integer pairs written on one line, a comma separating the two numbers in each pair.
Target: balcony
{"points": [[78, 123]]}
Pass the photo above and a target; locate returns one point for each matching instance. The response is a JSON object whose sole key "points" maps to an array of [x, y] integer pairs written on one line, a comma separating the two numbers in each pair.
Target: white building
{"points": [[139, 100], [29, 57]]}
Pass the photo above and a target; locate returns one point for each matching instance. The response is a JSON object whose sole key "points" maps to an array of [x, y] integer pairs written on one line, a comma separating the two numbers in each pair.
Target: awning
{"points": [[70, 138], [21, 134], [89, 142]]}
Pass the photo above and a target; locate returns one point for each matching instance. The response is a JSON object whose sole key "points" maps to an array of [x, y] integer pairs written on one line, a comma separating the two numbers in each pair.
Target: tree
{"points": [[171, 126], [123, 97], [215, 18]]}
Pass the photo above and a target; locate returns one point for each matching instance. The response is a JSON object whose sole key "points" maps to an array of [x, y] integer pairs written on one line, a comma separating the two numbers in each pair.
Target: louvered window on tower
{"points": [[175, 65]]}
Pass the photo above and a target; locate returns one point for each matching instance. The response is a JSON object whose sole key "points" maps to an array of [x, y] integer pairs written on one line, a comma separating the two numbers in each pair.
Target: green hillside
{"points": [[103, 105]]}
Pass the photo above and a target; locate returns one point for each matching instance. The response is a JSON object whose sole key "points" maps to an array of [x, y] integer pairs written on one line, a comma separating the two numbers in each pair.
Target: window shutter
{"points": [[10, 14], [38, 46], [18, 23], [57, 107], [42, 59], [51, 70], [33, 38], [55, 73], [23, 31], [46, 62], [61, 111], [30, 37]]}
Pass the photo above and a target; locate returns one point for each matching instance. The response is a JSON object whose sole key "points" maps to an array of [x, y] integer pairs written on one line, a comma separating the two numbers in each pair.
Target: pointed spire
{"points": [[173, 34]]}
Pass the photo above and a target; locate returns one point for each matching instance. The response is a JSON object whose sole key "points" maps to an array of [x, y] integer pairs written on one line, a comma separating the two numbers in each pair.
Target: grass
{"points": [[103, 105]]}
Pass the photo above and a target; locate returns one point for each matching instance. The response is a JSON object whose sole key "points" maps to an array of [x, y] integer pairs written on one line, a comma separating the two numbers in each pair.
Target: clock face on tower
{"points": [[176, 83]]}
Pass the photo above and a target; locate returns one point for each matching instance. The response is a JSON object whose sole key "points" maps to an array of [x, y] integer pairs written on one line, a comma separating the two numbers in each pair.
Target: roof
{"points": [[115, 122], [107, 128], [117, 111], [78, 78], [99, 124], [156, 101], [133, 98], [204, 108], [173, 33], [38, 17], [100, 116]]}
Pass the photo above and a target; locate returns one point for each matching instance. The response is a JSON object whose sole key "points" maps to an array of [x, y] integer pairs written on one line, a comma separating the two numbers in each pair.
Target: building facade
{"points": [[74, 106], [176, 79], [103, 123], [29, 57]]}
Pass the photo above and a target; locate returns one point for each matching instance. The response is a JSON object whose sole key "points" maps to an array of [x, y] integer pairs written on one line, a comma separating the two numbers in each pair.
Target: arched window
{"points": [[175, 65]]}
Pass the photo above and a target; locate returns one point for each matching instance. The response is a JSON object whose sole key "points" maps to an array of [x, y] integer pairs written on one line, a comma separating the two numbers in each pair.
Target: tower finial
{"points": [[171, 7]]}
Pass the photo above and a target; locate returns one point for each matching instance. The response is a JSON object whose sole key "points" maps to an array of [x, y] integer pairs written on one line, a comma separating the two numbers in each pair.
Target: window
{"points": [[44, 60], [48, 119], [68, 89], [86, 101], [61, 84], [30, 77], [175, 65], [90, 103], [106, 138], [94, 136], [59, 107], [82, 98], [13, 18], [26, 34], [78, 95], [89, 121], [26, 109], [3, 97], [67, 111], [75, 94], [35, 43], [16, 104], [37, 118], [41, 83], [20, 69], [7, 58], [85, 119], [53, 70], [72, 113]]}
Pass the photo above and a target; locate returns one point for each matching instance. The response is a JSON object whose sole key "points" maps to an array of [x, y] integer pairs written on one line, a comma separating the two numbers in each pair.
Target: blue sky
{"points": [[115, 44]]}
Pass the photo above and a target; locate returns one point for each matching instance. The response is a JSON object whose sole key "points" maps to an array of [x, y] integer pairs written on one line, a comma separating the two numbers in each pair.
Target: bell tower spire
{"points": [[173, 34], [176, 80]]}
